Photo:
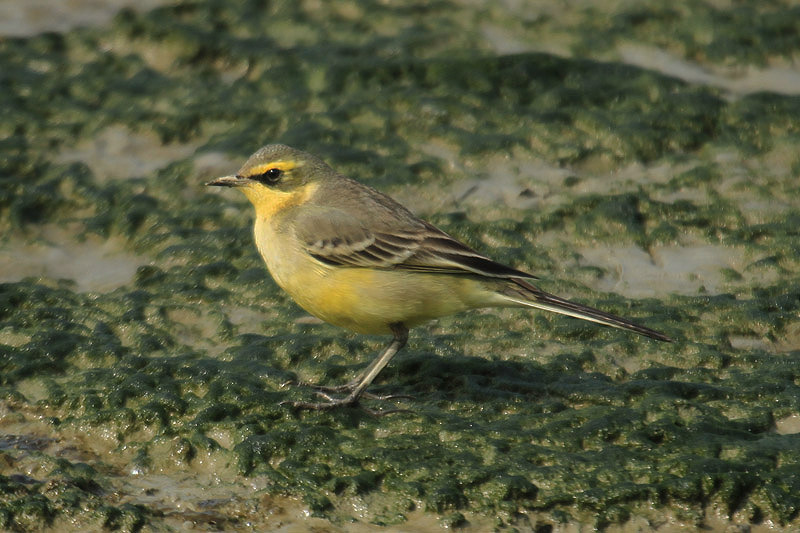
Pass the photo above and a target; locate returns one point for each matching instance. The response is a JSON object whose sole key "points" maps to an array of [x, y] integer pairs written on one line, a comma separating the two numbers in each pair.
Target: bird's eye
{"points": [[271, 176]]}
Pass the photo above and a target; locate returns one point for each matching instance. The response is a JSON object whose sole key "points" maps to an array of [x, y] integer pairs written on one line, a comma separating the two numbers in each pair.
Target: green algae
{"points": [[71, 491], [515, 415], [714, 33]]}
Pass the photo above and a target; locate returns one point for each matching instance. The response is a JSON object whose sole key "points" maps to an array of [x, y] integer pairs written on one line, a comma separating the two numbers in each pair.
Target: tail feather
{"points": [[526, 294]]}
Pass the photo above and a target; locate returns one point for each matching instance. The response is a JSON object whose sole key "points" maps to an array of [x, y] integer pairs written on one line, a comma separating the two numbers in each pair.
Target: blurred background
{"points": [[641, 158]]}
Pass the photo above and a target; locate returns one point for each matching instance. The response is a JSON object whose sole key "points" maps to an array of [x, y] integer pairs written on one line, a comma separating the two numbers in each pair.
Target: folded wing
{"points": [[336, 238]]}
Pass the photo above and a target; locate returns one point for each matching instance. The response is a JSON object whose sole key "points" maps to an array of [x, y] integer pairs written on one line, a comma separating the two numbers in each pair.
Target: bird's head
{"points": [[275, 177]]}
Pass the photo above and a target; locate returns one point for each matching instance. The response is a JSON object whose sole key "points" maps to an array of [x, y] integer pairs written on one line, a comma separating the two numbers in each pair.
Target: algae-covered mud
{"points": [[639, 159]]}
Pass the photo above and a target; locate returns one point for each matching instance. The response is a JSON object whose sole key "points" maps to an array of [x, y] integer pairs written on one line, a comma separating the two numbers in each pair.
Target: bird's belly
{"points": [[368, 301]]}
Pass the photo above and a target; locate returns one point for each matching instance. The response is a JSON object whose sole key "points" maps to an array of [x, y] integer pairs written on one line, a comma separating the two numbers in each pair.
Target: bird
{"points": [[355, 258]]}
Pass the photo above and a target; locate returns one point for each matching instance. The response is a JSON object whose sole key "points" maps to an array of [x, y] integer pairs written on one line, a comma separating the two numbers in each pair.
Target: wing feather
{"points": [[336, 238]]}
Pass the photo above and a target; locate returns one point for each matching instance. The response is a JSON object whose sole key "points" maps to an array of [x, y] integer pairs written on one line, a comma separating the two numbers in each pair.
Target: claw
{"points": [[324, 392], [334, 403]]}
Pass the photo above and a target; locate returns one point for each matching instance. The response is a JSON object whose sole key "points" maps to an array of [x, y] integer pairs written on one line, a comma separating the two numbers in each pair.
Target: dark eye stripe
{"points": [[269, 177]]}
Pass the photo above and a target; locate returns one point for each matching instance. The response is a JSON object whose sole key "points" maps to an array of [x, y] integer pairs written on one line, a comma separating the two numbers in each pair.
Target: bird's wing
{"points": [[337, 238]]}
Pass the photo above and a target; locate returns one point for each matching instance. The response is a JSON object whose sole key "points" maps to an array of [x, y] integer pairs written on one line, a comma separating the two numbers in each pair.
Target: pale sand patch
{"points": [[94, 265], [739, 81], [789, 425], [687, 270], [116, 152], [24, 18]]}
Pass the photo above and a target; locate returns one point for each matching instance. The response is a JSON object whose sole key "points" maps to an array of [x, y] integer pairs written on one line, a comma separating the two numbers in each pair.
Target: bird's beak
{"points": [[228, 181]]}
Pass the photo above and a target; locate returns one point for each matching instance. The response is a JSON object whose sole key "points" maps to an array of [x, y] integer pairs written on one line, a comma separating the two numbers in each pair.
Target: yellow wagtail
{"points": [[355, 258]]}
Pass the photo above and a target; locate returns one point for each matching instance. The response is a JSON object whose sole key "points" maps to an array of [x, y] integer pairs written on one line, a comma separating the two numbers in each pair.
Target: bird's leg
{"points": [[351, 385], [354, 383], [358, 386]]}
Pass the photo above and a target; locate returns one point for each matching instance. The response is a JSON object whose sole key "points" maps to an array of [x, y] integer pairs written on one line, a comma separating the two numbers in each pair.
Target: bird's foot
{"points": [[351, 400], [338, 389], [350, 387]]}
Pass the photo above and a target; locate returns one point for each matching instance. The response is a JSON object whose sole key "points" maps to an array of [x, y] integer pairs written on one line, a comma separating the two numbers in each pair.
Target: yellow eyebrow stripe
{"points": [[280, 165]]}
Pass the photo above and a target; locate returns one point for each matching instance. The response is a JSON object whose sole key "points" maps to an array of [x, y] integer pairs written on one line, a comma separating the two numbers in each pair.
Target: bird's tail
{"points": [[523, 293]]}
